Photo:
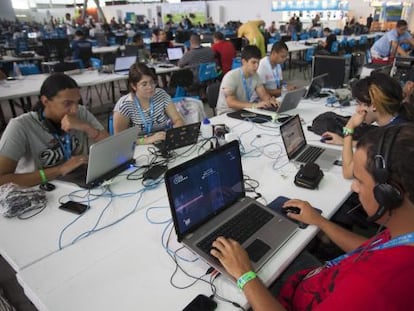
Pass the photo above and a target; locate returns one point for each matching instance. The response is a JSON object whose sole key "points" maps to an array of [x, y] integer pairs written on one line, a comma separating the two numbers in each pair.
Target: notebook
{"points": [[316, 86], [174, 54], [122, 64], [107, 158], [290, 101], [298, 150], [204, 196], [178, 137]]}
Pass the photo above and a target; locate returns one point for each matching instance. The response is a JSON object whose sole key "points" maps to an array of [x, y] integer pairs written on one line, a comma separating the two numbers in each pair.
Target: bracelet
{"points": [[43, 177], [347, 131], [245, 278], [141, 140]]}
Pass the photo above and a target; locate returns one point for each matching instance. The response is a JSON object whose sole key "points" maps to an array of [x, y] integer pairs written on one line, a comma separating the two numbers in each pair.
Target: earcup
{"points": [[387, 196]]}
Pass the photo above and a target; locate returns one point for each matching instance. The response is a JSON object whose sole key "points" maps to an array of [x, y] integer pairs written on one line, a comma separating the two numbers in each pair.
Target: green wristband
{"points": [[347, 131], [141, 141], [245, 278], [43, 177]]}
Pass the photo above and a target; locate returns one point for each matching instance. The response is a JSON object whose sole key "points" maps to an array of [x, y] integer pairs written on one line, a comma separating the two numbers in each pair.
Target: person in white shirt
{"points": [[270, 69]]}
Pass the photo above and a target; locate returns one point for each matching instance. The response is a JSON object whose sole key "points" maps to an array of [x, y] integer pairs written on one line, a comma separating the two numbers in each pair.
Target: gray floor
{"points": [[11, 289]]}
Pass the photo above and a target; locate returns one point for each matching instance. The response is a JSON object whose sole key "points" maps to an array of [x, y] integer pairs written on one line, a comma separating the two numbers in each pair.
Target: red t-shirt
{"points": [[225, 50], [377, 280]]}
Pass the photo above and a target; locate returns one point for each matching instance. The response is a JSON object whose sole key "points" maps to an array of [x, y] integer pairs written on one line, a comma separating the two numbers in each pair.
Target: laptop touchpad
{"points": [[257, 249]]}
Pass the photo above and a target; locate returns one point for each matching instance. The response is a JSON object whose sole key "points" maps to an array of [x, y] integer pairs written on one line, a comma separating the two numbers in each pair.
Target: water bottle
{"points": [[284, 89], [16, 71], [206, 129]]}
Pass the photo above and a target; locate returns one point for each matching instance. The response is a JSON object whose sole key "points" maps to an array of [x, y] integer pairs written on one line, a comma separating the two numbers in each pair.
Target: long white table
{"points": [[126, 266]]}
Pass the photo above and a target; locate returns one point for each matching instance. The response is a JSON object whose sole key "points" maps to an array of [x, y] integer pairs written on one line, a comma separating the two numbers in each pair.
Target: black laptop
{"points": [[178, 137]]}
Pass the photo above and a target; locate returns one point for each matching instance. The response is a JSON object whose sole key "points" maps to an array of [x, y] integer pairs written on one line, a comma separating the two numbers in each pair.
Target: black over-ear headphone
{"points": [[386, 194], [48, 124]]}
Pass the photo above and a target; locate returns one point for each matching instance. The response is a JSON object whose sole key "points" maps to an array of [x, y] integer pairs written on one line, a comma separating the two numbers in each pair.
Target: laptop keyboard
{"points": [[310, 154], [240, 227]]}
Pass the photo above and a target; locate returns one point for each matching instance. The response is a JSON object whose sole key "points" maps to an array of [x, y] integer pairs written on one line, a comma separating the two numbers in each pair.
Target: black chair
{"points": [[212, 93], [85, 54]]}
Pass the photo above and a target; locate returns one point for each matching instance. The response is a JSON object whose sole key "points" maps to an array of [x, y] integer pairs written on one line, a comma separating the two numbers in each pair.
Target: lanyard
{"points": [[407, 238], [247, 88], [274, 73], [147, 125], [65, 143]]}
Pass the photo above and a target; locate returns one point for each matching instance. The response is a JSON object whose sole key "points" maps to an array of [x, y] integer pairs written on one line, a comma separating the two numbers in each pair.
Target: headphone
{"points": [[386, 194]]}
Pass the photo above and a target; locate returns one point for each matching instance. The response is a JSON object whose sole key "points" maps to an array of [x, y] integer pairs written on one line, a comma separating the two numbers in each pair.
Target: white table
{"points": [[127, 268]]}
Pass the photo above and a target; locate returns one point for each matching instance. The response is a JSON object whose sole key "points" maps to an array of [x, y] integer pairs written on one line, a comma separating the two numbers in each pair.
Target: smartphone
{"points": [[201, 303], [74, 207]]}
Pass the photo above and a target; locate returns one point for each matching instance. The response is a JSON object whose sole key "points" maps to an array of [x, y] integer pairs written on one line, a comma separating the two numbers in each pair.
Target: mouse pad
{"points": [[277, 204], [249, 116]]}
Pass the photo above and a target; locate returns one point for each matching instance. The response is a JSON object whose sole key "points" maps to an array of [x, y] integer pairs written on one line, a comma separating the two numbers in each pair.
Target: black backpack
{"points": [[332, 122]]}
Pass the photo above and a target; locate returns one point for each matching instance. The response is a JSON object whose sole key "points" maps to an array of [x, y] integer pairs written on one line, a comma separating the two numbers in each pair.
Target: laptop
{"points": [[204, 196], [289, 101], [178, 137], [174, 54], [316, 86], [122, 64], [299, 151], [107, 158]]}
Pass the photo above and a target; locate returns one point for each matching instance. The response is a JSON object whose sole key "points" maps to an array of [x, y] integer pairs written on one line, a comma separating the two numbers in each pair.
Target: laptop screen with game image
{"points": [[206, 202], [107, 158], [122, 64]]}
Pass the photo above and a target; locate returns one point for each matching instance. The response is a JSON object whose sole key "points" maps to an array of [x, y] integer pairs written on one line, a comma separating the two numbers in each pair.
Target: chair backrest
{"points": [[236, 63], [29, 69], [212, 93], [335, 47], [207, 71], [309, 54]]}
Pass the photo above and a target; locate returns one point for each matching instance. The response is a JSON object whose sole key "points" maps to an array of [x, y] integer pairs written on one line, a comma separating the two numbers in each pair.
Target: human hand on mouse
{"points": [[335, 139], [307, 214]]}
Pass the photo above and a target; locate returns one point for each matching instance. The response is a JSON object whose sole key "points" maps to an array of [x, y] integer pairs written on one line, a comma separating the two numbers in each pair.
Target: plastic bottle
{"points": [[16, 71], [284, 88], [206, 129]]}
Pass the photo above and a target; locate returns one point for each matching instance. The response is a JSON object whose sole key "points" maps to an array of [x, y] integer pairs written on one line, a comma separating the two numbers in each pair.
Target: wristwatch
{"points": [[347, 131]]}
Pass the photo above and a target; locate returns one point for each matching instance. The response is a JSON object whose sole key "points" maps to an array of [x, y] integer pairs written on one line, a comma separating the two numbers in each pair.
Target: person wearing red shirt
{"points": [[373, 274], [224, 50]]}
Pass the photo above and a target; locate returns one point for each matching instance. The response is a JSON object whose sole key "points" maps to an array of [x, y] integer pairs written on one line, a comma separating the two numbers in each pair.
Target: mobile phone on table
{"points": [[74, 207], [201, 303]]}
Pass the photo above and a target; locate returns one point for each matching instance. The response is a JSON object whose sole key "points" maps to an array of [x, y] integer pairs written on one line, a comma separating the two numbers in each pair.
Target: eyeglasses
{"points": [[145, 84]]}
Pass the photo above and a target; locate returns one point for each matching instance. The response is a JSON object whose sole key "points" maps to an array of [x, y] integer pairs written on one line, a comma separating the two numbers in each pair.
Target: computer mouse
{"points": [[292, 209], [47, 186], [326, 138]]}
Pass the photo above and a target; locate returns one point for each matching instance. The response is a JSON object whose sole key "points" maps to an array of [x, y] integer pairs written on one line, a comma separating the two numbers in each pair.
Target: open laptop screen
{"points": [[202, 187], [292, 135], [175, 53], [123, 63]]}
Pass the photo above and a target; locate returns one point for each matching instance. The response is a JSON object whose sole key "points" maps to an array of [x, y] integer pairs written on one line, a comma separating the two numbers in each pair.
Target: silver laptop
{"points": [[122, 64], [207, 201], [300, 151], [107, 158], [289, 101], [174, 54]]}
